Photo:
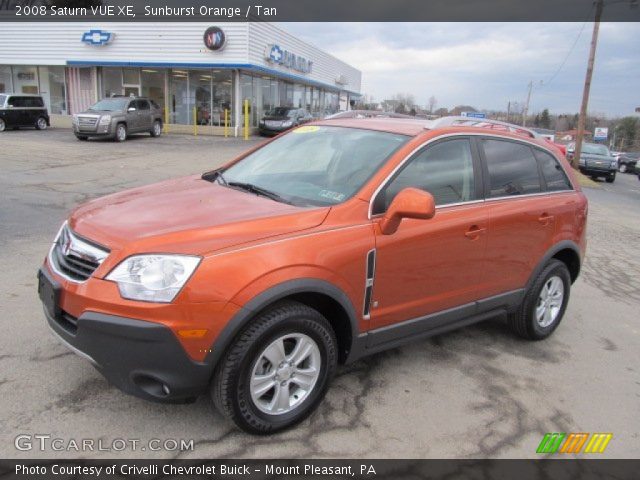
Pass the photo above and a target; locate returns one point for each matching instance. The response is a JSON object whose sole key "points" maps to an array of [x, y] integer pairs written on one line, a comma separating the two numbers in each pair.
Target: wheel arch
{"points": [[567, 252], [318, 294]]}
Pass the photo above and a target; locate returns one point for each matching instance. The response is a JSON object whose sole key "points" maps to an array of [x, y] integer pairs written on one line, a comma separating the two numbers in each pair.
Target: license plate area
{"points": [[49, 293]]}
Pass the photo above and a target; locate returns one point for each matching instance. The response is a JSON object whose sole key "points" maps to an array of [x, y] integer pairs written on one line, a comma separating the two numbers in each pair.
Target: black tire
{"points": [[81, 137], [41, 123], [230, 387], [611, 177], [156, 129], [523, 322], [119, 135]]}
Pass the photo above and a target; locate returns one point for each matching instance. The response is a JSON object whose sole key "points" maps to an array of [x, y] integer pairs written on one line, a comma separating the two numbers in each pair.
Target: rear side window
{"points": [[552, 172], [513, 170], [18, 102], [445, 170], [143, 105], [37, 102]]}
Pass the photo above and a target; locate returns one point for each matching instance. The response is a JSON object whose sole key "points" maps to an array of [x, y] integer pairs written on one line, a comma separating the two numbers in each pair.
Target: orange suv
{"points": [[336, 240]]}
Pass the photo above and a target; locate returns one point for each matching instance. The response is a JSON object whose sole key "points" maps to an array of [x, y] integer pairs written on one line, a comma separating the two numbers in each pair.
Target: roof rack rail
{"points": [[482, 123]]}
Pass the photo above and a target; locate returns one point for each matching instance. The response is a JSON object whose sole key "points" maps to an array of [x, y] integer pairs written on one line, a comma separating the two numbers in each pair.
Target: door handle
{"points": [[545, 219], [474, 232]]}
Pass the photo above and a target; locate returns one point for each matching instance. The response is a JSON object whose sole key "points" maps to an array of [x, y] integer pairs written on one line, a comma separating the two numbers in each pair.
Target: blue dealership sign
{"points": [[276, 54], [97, 37], [474, 114]]}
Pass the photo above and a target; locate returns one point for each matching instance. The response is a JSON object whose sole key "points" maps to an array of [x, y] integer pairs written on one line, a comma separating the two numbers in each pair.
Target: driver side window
{"points": [[445, 170]]}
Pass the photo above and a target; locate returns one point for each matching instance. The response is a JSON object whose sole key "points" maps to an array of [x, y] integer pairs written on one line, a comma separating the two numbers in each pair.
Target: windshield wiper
{"points": [[250, 187]]}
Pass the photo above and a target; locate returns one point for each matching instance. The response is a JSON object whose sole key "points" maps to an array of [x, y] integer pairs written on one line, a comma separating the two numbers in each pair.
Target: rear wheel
{"points": [[278, 369], [156, 130], [544, 303], [41, 123], [622, 168], [121, 132], [3, 125]]}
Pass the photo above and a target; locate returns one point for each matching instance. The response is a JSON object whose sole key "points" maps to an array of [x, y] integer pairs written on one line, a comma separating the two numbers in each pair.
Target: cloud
{"points": [[487, 65]]}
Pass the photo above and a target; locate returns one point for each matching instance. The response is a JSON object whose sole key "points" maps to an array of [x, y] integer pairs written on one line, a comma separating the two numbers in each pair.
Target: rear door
{"points": [[133, 120], [428, 266], [16, 110], [144, 115], [522, 214]]}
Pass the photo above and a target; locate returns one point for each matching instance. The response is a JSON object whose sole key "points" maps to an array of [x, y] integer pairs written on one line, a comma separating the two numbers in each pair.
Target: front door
{"points": [[428, 266]]}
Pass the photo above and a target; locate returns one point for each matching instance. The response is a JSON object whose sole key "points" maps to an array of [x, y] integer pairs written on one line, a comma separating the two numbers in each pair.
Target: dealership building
{"points": [[194, 71]]}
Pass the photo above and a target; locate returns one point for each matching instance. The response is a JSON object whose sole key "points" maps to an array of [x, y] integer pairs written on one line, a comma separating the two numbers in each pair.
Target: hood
{"points": [[187, 215]]}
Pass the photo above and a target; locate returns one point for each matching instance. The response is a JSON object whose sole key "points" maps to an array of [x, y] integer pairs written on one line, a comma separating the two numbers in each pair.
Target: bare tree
{"points": [[432, 103]]}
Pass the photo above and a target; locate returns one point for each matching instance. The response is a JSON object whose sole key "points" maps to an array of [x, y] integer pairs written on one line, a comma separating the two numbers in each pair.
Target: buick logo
{"points": [[214, 38]]}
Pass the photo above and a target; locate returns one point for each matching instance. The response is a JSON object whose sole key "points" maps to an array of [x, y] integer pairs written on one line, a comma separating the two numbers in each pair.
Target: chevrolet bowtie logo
{"points": [[97, 37], [276, 53]]}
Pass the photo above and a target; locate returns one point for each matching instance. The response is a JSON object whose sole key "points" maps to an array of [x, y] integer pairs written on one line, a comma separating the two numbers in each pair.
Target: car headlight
{"points": [[105, 119], [74, 120], [614, 164], [153, 278], [287, 123]]}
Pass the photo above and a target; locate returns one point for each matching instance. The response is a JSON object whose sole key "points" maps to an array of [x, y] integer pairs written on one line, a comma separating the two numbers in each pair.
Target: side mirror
{"points": [[131, 109], [409, 203]]}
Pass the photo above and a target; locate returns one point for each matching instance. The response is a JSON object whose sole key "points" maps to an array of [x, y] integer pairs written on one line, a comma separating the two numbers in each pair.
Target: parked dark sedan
{"points": [[22, 110], [629, 162], [279, 119]]}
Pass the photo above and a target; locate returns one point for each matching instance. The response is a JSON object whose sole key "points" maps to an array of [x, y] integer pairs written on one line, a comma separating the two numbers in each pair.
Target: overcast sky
{"points": [[486, 65]]}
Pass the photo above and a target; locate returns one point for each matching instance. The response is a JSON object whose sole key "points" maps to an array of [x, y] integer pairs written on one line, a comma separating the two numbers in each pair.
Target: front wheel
{"points": [[277, 370], [611, 178], [3, 125], [544, 303], [82, 137], [41, 123], [121, 132], [156, 130]]}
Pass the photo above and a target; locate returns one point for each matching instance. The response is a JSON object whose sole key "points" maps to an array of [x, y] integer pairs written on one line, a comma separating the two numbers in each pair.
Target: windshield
{"points": [[110, 105], [281, 112], [3, 98], [316, 165], [593, 149]]}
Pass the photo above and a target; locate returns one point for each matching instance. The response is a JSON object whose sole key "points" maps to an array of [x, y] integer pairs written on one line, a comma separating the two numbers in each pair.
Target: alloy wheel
{"points": [[42, 124], [550, 301], [3, 125], [285, 373]]}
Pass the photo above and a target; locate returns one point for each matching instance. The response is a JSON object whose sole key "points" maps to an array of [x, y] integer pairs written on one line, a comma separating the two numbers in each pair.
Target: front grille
{"points": [[87, 123], [75, 258]]}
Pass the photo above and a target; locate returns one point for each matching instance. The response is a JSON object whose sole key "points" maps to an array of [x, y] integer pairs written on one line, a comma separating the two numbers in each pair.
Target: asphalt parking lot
{"points": [[478, 392]]}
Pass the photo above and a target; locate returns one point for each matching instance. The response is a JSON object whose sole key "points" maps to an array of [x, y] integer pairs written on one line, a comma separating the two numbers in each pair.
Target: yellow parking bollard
{"points": [[195, 123], [246, 119], [226, 123]]}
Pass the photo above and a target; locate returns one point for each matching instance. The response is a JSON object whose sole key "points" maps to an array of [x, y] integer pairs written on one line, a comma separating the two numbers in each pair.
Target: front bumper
{"points": [[264, 130], [98, 131], [596, 170], [141, 358]]}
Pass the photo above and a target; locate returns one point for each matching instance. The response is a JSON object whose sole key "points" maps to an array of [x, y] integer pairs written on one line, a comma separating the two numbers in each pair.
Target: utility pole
{"points": [[508, 110], [526, 105], [582, 119]]}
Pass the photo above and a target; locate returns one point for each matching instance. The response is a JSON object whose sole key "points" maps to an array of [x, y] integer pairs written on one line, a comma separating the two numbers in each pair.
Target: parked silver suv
{"points": [[118, 117]]}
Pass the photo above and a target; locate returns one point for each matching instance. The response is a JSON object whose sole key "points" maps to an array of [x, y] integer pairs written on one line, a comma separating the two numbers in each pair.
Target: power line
{"points": [[575, 42]]}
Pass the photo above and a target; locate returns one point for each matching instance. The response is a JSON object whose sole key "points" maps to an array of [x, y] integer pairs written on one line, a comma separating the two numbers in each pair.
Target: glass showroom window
{"points": [[53, 89], [298, 96], [247, 93], [5, 79], [152, 85], [179, 97], [221, 95], [267, 95], [111, 82], [25, 79], [200, 95], [131, 81]]}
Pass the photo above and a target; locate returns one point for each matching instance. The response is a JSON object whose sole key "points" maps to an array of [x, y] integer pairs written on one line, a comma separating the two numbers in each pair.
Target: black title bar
{"points": [[316, 10]]}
